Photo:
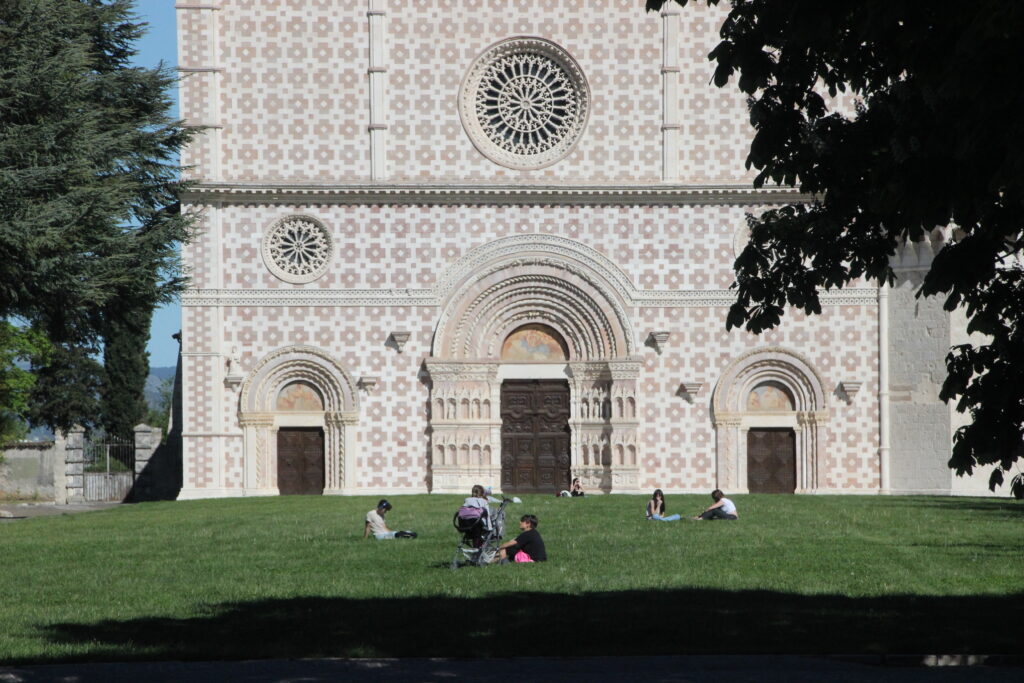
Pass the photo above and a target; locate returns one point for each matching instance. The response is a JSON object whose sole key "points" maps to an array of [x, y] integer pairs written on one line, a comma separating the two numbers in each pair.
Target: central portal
{"points": [[535, 437]]}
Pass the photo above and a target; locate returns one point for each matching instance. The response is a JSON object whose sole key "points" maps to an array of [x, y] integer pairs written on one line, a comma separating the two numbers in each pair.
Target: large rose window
{"points": [[524, 103]]}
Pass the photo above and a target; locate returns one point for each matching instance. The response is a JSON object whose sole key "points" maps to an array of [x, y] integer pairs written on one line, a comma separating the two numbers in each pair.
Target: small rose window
{"points": [[297, 249]]}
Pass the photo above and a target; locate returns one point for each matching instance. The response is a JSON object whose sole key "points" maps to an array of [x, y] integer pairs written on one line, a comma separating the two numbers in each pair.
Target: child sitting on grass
{"points": [[527, 546]]}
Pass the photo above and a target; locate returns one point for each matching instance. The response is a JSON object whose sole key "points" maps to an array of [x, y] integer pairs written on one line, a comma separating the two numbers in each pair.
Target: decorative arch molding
{"points": [[260, 419], [732, 420], [295, 363], [539, 279], [578, 293]]}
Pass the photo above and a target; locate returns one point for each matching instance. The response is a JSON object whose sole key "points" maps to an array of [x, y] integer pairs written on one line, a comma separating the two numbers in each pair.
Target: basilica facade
{"points": [[449, 242]]}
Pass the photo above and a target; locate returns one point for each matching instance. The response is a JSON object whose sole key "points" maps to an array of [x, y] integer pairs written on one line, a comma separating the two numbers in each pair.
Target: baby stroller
{"points": [[480, 540]]}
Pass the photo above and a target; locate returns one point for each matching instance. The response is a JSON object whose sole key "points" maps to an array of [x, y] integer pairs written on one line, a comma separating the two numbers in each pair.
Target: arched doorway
{"points": [[298, 409], [540, 314], [769, 406]]}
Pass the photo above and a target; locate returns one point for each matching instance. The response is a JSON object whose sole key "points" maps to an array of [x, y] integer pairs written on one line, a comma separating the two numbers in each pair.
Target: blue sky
{"points": [[160, 43]]}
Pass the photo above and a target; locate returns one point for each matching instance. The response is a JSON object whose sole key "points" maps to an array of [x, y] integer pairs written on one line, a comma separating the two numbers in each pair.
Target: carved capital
{"points": [[447, 371], [256, 419], [335, 419]]}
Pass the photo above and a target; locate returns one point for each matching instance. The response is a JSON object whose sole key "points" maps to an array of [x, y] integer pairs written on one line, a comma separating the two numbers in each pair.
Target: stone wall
{"points": [[27, 470], [919, 338]]}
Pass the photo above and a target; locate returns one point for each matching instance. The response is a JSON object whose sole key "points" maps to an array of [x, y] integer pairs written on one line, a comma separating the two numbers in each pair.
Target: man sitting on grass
{"points": [[723, 508], [375, 524], [527, 547]]}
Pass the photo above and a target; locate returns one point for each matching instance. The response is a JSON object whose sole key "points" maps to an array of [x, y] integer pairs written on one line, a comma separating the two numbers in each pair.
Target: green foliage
{"points": [[291, 577], [89, 217], [66, 390], [126, 365], [19, 347], [936, 140]]}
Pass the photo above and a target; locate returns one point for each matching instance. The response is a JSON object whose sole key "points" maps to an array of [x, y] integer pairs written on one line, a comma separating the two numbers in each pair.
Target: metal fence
{"points": [[109, 471]]}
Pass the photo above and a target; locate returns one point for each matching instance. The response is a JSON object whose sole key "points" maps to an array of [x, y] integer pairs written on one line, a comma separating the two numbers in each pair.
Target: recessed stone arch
{"points": [[537, 279], [790, 372], [261, 416], [585, 300]]}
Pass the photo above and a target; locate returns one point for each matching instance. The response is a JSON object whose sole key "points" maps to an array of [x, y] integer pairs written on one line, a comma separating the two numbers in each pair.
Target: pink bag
{"points": [[521, 556]]}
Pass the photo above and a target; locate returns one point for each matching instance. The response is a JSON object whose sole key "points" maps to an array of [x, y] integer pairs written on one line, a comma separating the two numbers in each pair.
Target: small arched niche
{"points": [[770, 397], [299, 397], [534, 343]]}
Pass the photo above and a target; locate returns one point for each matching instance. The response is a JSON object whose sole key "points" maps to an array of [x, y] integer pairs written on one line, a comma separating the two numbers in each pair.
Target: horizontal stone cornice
{"points": [[856, 296], [484, 194]]}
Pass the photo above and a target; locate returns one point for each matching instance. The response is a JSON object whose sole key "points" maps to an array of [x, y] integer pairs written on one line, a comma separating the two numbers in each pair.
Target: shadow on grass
{"points": [[955, 504], [541, 624]]}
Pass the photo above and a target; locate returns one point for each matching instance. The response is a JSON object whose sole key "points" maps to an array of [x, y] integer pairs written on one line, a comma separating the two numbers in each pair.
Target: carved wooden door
{"points": [[300, 461], [535, 436], [771, 461]]}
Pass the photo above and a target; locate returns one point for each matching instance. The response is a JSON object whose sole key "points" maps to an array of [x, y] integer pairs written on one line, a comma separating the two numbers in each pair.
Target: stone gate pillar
{"points": [[147, 476], [74, 466]]}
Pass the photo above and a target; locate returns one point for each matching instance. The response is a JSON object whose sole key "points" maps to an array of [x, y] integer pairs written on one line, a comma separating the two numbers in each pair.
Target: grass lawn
{"points": [[291, 577]]}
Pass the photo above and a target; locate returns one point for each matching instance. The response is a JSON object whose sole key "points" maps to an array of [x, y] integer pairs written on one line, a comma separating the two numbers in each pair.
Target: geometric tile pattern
{"points": [[288, 86]]}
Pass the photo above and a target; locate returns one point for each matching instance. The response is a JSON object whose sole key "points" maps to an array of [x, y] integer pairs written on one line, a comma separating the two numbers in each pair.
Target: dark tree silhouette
{"points": [[937, 140]]}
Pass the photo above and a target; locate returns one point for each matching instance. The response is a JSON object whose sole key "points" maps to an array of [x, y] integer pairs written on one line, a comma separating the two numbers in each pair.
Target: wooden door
{"points": [[535, 436], [300, 461], [771, 461]]}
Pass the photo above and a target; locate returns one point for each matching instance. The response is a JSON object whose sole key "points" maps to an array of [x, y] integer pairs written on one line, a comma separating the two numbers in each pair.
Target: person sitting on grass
{"points": [[527, 546], [656, 508], [576, 490], [376, 525], [722, 508]]}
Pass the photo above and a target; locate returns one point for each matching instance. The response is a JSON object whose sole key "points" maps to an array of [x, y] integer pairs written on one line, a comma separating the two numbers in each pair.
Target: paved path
{"points": [[10, 512], [734, 669]]}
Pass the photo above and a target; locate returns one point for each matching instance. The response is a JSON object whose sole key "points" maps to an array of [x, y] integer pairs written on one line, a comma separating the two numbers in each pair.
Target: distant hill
{"points": [[157, 376], [162, 373]]}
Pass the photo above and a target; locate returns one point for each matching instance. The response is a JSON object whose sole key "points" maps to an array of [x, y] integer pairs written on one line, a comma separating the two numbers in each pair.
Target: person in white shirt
{"points": [[722, 508], [376, 525]]}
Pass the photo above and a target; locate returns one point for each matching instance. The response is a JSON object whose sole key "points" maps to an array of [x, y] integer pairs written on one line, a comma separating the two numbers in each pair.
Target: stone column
{"points": [[670, 123], [256, 433], [377, 71], [74, 468], [727, 453]]}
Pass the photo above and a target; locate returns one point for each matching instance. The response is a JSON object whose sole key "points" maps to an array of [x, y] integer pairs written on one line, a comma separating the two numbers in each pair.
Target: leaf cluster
{"points": [[934, 140], [19, 348]]}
